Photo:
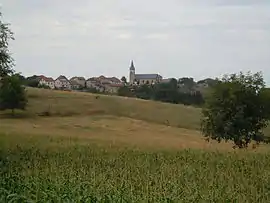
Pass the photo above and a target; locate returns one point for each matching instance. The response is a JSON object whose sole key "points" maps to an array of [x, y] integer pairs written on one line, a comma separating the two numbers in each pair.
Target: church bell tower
{"points": [[132, 73]]}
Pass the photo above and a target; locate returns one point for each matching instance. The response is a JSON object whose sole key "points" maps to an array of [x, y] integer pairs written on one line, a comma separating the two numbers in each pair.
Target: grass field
{"points": [[113, 149]]}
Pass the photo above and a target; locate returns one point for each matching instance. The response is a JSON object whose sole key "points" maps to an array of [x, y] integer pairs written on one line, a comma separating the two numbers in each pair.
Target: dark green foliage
{"points": [[12, 94], [164, 92], [187, 83], [237, 110], [125, 91], [208, 81], [32, 81], [167, 92], [124, 80], [144, 92], [6, 61]]}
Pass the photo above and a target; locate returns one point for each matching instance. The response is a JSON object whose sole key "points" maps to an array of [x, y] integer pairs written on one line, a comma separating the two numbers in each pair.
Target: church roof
{"points": [[146, 76]]}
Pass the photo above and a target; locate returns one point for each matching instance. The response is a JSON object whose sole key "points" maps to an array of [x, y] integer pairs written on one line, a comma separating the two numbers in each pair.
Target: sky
{"points": [[175, 38]]}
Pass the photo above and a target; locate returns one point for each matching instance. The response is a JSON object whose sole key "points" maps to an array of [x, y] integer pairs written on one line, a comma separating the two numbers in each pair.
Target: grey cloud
{"points": [[175, 37]]}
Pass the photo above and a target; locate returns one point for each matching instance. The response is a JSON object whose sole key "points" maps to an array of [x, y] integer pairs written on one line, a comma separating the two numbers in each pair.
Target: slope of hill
{"points": [[59, 103], [113, 149], [110, 119]]}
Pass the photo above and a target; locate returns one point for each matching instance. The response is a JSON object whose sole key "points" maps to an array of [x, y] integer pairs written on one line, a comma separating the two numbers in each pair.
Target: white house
{"points": [[46, 81], [62, 83], [78, 80]]}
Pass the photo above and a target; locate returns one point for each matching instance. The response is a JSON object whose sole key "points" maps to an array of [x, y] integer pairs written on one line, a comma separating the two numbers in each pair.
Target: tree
{"points": [[125, 92], [144, 92], [124, 80], [6, 61], [236, 110], [32, 81], [186, 83], [12, 94]]}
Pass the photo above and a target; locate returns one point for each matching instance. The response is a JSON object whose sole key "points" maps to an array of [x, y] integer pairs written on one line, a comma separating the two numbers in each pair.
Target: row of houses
{"points": [[101, 83]]}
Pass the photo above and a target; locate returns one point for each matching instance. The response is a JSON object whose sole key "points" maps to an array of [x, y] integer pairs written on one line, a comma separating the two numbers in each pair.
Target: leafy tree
{"points": [[144, 92], [187, 83], [167, 92], [236, 110], [209, 81], [125, 92], [32, 81], [124, 80], [12, 94], [6, 61], [173, 83]]}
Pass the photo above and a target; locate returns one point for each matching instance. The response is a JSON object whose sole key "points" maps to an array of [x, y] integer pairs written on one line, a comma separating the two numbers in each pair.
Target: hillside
{"points": [[110, 119], [113, 149], [60, 103]]}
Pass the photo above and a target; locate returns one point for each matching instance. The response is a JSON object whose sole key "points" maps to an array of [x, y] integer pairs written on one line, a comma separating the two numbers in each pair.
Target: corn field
{"points": [[107, 174]]}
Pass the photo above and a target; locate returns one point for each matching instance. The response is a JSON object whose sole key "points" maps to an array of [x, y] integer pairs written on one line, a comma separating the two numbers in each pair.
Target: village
{"points": [[105, 84]]}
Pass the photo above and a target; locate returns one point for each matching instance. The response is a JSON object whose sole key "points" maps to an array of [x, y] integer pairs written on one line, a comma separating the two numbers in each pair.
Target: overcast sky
{"points": [[175, 38]]}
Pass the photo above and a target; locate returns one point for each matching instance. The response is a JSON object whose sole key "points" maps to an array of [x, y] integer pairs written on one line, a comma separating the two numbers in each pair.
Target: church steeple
{"points": [[132, 75], [132, 67]]}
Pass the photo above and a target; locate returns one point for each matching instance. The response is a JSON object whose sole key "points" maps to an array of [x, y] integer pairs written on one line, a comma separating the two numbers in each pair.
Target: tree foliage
{"points": [[164, 92], [12, 94], [6, 61], [237, 109], [124, 80]]}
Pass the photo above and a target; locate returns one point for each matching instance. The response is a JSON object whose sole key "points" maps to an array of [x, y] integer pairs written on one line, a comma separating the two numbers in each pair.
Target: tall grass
{"points": [[98, 174]]}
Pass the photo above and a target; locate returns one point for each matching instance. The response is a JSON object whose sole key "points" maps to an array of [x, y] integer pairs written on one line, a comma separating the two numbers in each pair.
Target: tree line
{"points": [[164, 92]]}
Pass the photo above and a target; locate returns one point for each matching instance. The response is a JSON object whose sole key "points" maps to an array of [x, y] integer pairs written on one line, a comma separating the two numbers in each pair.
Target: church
{"points": [[142, 78]]}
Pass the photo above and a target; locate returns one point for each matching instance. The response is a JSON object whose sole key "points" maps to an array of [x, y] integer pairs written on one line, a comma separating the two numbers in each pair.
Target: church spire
{"points": [[132, 67]]}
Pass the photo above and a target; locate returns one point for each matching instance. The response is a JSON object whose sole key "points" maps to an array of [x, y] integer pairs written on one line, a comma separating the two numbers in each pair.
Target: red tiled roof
{"points": [[42, 77]]}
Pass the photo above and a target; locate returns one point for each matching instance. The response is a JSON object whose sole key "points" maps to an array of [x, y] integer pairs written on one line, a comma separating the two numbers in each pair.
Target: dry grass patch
{"points": [[111, 130], [60, 103]]}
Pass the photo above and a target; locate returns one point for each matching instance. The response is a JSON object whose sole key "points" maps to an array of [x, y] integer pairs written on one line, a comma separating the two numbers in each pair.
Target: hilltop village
{"points": [[110, 85]]}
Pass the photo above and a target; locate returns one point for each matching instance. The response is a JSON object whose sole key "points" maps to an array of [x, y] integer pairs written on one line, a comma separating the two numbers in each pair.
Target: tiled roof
{"points": [[62, 77], [45, 78], [49, 79], [146, 76], [79, 78], [92, 79], [101, 77]]}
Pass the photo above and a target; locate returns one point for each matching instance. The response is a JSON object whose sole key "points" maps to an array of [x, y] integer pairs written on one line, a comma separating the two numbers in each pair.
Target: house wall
{"points": [[62, 84], [146, 81], [111, 89], [90, 84], [149, 80], [49, 84], [80, 82]]}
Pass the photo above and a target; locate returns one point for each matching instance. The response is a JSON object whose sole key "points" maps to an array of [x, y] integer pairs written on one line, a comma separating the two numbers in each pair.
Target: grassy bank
{"points": [[59, 103]]}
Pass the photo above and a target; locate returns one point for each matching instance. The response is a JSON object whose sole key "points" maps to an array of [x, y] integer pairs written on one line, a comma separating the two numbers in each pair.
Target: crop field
{"points": [[79, 147]]}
